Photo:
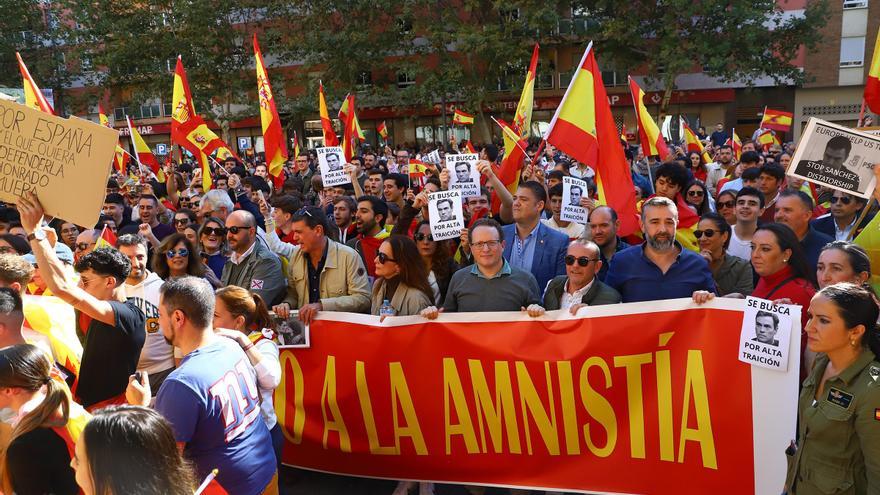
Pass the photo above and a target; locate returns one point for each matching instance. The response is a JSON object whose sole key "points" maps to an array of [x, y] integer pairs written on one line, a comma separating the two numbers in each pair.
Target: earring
{"points": [[852, 342], [785, 260]]}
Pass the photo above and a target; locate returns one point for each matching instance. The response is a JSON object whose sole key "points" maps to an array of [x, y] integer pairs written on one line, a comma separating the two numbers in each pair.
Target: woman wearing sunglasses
{"points": [[732, 275], [437, 260], [697, 196], [212, 238], [177, 257], [401, 278], [183, 218], [726, 206]]}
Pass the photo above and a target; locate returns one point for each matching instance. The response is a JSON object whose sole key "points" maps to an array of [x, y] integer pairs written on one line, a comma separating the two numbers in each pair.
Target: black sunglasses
{"points": [[726, 204], [709, 233], [234, 230], [181, 221], [384, 258], [696, 192], [582, 260], [421, 237], [214, 231], [841, 199]]}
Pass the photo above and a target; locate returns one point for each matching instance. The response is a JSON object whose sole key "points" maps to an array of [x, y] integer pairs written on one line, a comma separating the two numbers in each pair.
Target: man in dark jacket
{"points": [[579, 286]]}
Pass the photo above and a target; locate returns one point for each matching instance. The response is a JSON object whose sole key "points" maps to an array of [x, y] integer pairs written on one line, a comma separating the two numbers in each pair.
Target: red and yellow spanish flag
{"points": [[693, 142], [872, 84], [650, 137], [767, 139], [735, 143], [330, 138], [120, 159], [295, 145], [352, 133], [470, 146], [418, 172], [273, 135], [778, 120], [107, 239], [583, 128], [623, 136], [462, 118], [382, 129], [56, 320], [142, 152], [33, 97], [514, 158]]}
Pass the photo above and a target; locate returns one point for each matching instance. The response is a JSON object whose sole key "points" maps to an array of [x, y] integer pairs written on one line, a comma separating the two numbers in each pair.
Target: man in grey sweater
{"points": [[490, 284]]}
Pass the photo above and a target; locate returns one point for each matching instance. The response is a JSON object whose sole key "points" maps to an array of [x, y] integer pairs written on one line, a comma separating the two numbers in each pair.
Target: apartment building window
{"points": [[852, 51], [364, 80], [855, 4], [405, 79], [119, 113]]}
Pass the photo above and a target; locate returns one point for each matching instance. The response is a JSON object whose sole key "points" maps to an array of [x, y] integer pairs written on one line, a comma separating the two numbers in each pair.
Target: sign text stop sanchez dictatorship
{"points": [[64, 161]]}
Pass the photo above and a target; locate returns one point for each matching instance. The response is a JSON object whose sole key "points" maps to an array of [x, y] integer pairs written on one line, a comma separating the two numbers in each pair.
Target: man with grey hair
{"points": [[215, 203], [579, 286], [252, 265], [659, 268], [211, 400]]}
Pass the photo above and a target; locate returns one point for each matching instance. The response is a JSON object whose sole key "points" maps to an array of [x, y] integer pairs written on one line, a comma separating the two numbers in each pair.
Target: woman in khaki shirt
{"points": [[838, 449]]}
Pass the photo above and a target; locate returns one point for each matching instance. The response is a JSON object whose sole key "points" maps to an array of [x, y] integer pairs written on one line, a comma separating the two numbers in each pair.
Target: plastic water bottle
{"points": [[386, 309]]}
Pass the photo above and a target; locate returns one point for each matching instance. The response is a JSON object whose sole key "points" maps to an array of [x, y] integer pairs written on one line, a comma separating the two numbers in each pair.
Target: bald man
{"points": [[251, 264]]}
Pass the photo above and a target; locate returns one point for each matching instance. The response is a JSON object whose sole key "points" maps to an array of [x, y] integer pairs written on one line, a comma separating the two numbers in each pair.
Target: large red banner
{"points": [[636, 398]]}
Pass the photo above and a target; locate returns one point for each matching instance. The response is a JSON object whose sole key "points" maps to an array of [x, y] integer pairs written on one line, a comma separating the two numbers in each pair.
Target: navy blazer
{"points": [[825, 224], [549, 260]]}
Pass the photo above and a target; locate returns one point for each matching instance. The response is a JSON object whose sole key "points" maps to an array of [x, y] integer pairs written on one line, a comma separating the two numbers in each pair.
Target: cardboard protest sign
{"points": [[837, 157], [463, 174], [64, 161], [765, 332], [572, 191], [331, 162], [445, 214]]}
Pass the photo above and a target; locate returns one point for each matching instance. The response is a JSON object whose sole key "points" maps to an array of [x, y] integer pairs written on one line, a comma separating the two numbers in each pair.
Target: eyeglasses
{"points": [[485, 245], [384, 258], [214, 231], [234, 230], [181, 221], [182, 252], [82, 246], [726, 204], [841, 199], [696, 192], [581, 260], [709, 233], [423, 237]]}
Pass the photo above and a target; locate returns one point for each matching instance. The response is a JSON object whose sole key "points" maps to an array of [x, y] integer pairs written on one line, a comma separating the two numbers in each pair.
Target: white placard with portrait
{"points": [[463, 174], [766, 330], [331, 162], [445, 214], [572, 191]]}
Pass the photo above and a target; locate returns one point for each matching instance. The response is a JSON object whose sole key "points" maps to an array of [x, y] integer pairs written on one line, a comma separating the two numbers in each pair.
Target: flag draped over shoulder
{"points": [[516, 134], [56, 320], [778, 120], [872, 84], [33, 97], [462, 118], [687, 224], [583, 128], [650, 137], [273, 135], [330, 138]]}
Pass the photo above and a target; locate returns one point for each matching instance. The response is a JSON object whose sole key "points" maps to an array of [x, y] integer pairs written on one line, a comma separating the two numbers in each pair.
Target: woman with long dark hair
{"points": [[212, 241], [243, 316], [38, 406], [696, 166], [697, 197], [401, 278], [733, 275], [838, 437], [176, 257], [437, 259], [131, 450], [779, 261]]}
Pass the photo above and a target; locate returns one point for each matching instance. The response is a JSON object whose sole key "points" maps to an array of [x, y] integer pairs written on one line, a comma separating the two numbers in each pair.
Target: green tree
{"points": [[732, 40], [132, 48]]}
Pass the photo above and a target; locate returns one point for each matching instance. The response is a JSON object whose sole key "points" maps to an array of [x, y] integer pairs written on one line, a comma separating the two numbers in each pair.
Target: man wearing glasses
{"points": [[85, 243], [579, 286], [491, 283], [115, 333], [251, 264], [845, 210], [401, 162]]}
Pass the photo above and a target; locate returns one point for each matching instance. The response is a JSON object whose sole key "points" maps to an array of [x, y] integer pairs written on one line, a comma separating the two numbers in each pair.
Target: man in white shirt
{"points": [[579, 286], [142, 286], [749, 205]]}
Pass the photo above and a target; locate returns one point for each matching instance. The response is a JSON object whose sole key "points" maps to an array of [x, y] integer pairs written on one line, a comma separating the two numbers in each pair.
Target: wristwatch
{"points": [[37, 235]]}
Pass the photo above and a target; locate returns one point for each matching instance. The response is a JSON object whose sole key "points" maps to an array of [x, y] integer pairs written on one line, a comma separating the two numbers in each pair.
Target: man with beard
{"points": [[251, 264], [142, 287], [148, 212], [604, 224], [370, 224], [659, 268], [343, 213]]}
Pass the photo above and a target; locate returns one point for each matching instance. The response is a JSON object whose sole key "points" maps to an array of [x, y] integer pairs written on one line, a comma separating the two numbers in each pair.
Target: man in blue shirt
{"points": [[529, 244], [659, 268], [211, 399]]}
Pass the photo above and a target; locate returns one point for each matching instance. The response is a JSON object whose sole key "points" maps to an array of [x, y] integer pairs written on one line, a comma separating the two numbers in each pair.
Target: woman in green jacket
{"points": [[838, 449], [401, 278]]}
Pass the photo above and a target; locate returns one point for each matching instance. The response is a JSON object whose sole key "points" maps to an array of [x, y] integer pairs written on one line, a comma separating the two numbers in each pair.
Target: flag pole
{"points": [[502, 135], [136, 157], [861, 121], [859, 220]]}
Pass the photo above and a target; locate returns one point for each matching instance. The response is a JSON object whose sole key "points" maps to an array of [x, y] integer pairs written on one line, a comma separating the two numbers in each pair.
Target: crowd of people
{"points": [[176, 320]]}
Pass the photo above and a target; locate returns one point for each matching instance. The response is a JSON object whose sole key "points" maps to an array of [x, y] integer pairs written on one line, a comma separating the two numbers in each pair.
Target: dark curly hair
{"points": [[106, 262]]}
